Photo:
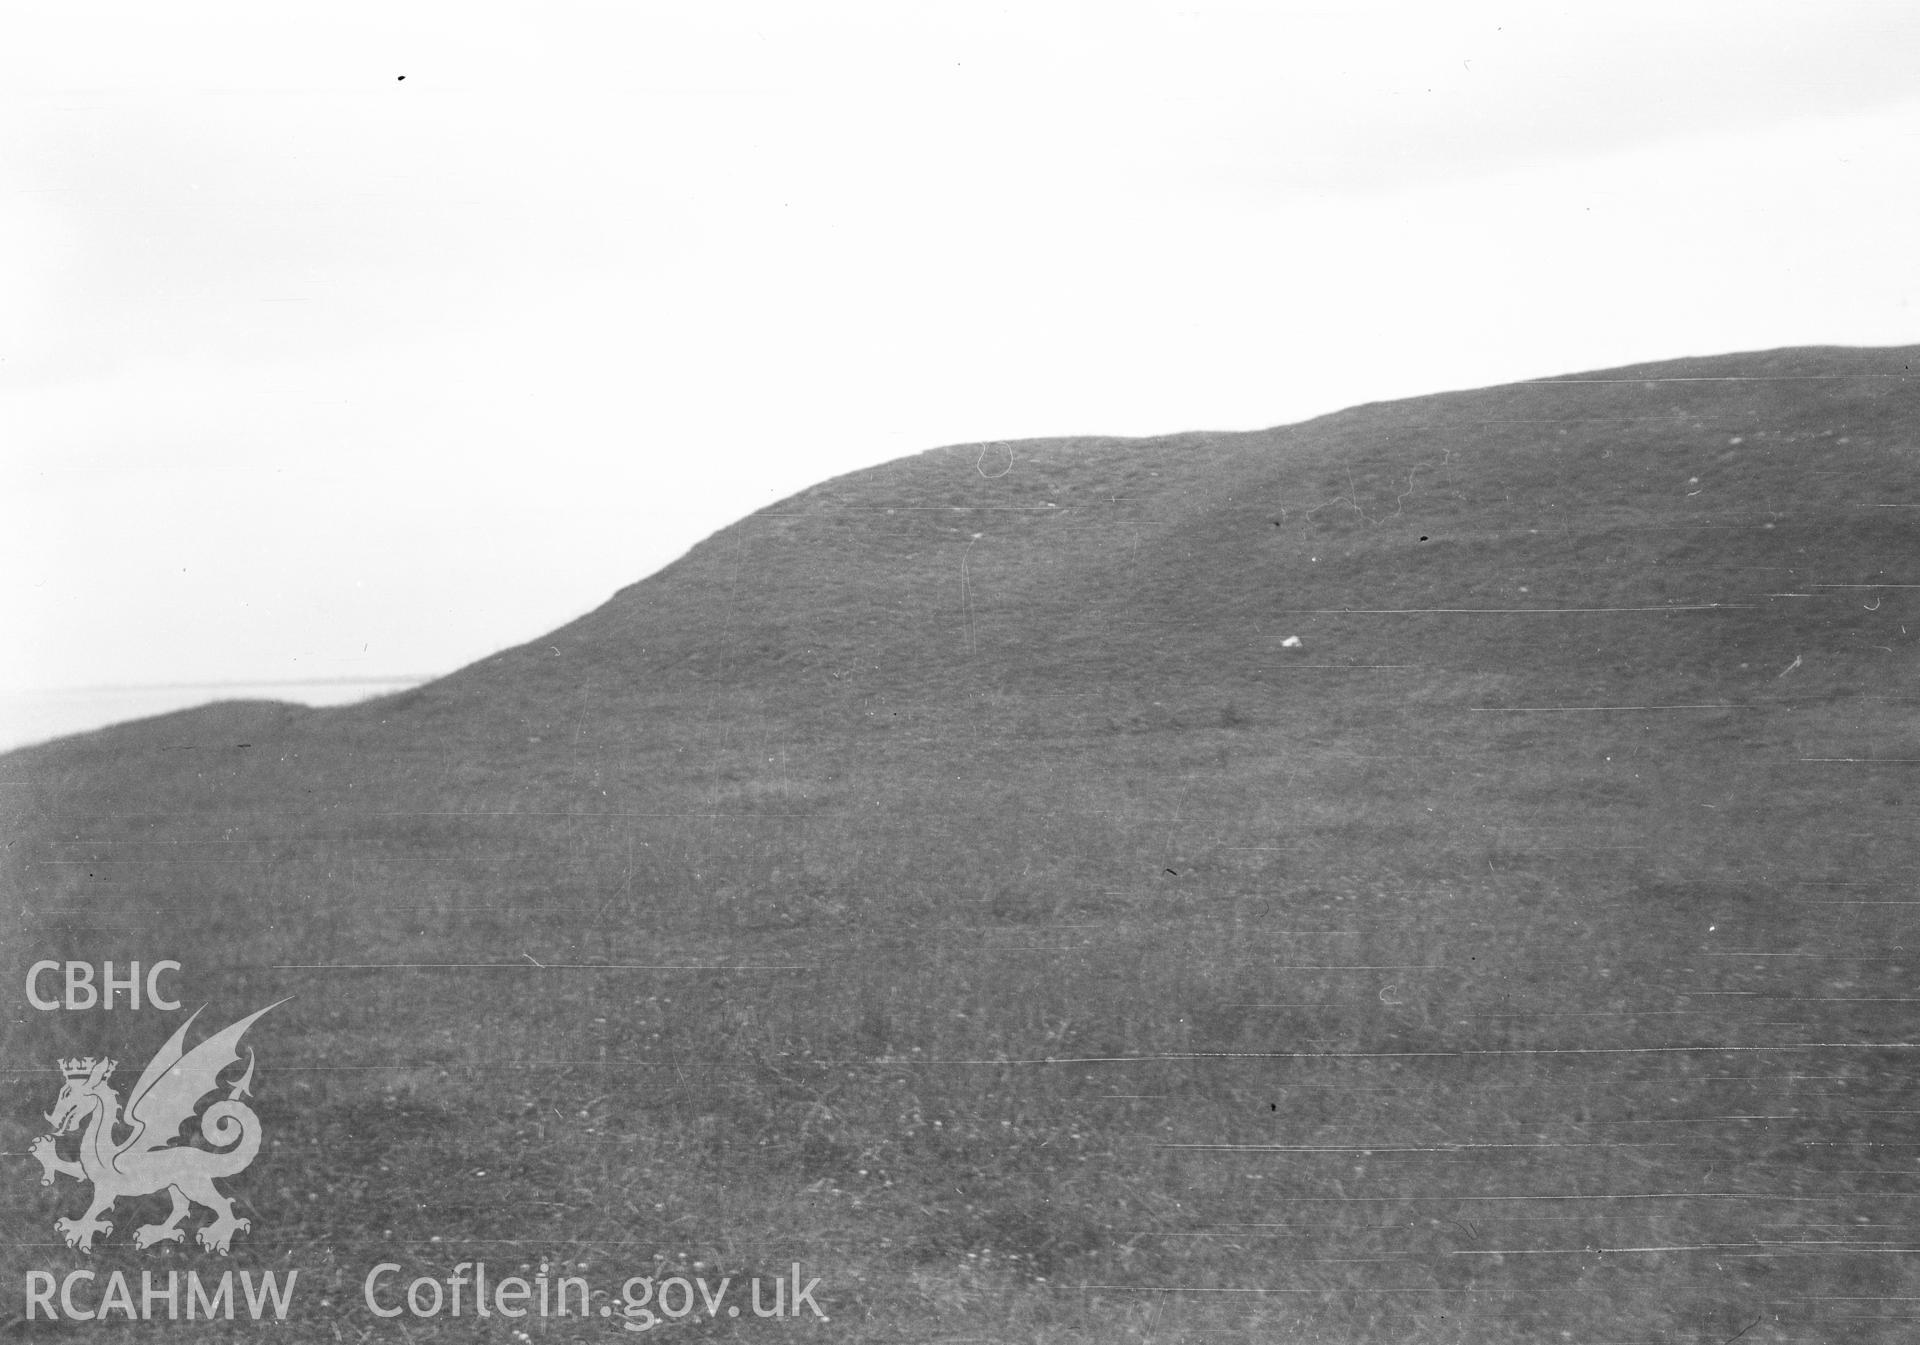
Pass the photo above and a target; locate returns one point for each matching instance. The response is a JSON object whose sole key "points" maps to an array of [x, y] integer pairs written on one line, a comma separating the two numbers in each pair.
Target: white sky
{"points": [[309, 371]]}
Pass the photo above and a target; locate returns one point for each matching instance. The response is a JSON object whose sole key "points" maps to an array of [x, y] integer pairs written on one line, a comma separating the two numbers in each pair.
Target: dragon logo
{"points": [[147, 1160]]}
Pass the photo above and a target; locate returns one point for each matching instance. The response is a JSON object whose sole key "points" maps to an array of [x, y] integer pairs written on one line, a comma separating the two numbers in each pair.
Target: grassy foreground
{"points": [[952, 880]]}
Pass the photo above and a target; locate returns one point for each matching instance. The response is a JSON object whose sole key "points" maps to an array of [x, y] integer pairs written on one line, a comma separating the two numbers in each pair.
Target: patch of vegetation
{"points": [[1062, 956]]}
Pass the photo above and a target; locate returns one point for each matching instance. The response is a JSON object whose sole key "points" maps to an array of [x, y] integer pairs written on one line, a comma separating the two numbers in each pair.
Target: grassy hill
{"points": [[956, 878]]}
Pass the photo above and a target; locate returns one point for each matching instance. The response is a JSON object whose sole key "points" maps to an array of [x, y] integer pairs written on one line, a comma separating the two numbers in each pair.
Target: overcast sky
{"points": [[354, 340]]}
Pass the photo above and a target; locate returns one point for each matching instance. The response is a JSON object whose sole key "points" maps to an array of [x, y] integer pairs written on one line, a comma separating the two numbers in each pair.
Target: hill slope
{"points": [[1560, 861]]}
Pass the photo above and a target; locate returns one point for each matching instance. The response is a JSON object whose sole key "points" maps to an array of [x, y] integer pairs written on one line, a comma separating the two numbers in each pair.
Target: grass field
{"points": [[951, 880]]}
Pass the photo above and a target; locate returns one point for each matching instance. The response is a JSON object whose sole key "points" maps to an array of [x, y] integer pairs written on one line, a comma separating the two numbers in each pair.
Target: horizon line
{"points": [[353, 680]]}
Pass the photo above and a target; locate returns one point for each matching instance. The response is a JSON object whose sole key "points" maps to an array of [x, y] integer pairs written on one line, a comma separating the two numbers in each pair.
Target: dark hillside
{"points": [[952, 876]]}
